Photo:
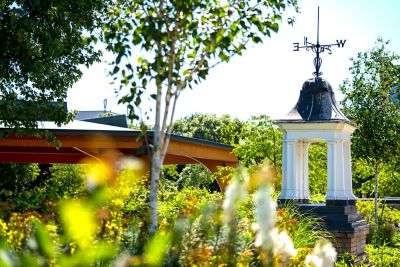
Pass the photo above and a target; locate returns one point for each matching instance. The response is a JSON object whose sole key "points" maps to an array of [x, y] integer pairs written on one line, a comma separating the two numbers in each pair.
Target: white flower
{"points": [[235, 193], [268, 236], [265, 218], [283, 245], [324, 255]]}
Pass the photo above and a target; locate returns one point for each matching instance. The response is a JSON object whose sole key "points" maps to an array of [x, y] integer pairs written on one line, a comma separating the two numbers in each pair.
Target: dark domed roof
{"points": [[316, 103]]}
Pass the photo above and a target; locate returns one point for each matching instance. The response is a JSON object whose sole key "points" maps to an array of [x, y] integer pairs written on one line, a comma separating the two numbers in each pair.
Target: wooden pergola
{"points": [[81, 139]]}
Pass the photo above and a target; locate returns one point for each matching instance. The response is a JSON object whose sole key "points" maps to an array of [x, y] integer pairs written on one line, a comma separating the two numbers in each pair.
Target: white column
{"points": [[347, 170], [285, 177], [291, 158], [305, 189], [299, 174], [294, 170], [338, 171], [340, 184], [331, 158]]}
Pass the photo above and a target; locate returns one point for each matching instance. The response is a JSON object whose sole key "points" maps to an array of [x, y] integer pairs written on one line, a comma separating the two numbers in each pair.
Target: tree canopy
{"points": [[163, 47], [42, 45], [369, 104], [223, 129]]}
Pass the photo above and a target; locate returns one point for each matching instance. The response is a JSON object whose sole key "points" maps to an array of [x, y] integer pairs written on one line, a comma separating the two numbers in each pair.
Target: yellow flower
{"points": [[97, 174], [118, 203], [51, 228], [79, 223], [3, 228]]}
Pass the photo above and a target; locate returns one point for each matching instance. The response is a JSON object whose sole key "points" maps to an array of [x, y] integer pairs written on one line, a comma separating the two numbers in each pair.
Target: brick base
{"points": [[346, 226]]}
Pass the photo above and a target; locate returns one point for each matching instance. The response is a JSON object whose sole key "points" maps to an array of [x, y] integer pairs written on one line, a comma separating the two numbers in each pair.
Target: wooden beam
{"points": [[83, 141], [203, 151]]}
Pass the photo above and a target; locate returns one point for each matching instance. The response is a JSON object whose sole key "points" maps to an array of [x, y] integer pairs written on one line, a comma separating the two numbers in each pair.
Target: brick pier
{"points": [[346, 226]]}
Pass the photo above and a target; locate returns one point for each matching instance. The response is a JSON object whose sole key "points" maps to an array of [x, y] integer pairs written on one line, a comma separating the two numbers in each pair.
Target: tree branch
{"points": [[168, 95]]}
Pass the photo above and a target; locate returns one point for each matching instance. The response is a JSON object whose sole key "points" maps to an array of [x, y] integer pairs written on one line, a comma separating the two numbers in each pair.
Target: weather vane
{"points": [[317, 49]]}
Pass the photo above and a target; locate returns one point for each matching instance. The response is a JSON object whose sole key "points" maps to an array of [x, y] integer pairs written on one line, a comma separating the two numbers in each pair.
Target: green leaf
{"points": [[223, 57], [115, 70], [256, 39], [44, 241], [138, 100], [156, 249]]}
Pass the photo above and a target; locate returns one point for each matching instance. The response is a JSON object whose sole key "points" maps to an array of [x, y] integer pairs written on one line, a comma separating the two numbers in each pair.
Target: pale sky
{"points": [[268, 77]]}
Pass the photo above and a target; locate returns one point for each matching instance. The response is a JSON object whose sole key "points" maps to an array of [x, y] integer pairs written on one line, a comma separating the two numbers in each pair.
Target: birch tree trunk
{"points": [[376, 175], [153, 198]]}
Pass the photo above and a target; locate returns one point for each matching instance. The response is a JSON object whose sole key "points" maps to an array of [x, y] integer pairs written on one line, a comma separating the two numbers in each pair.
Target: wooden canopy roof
{"points": [[80, 139]]}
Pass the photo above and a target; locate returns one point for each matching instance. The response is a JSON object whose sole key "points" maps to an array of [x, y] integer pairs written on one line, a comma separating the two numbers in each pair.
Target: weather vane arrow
{"points": [[317, 49]]}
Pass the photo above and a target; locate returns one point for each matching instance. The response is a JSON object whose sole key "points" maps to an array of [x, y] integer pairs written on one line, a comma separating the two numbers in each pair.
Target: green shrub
{"points": [[384, 256], [345, 259], [396, 239], [386, 214], [381, 235], [17, 183], [317, 198], [33, 187], [66, 181]]}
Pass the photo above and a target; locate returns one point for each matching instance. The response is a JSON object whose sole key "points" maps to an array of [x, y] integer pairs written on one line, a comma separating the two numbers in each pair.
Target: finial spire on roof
{"points": [[105, 105], [318, 48]]}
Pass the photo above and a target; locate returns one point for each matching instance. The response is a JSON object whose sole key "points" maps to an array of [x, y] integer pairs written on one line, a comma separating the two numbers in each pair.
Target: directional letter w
{"points": [[340, 43]]}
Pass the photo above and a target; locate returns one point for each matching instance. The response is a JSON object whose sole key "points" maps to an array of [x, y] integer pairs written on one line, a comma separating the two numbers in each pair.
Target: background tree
{"points": [[222, 129], [42, 45], [363, 179], [260, 142], [177, 43], [33, 187], [317, 168], [369, 104], [256, 141], [210, 127]]}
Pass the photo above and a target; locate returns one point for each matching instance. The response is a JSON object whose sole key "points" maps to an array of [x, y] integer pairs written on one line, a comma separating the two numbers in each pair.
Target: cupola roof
{"points": [[316, 103]]}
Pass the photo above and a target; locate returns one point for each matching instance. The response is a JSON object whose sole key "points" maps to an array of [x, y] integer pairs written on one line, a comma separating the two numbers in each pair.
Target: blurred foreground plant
{"points": [[107, 227]]}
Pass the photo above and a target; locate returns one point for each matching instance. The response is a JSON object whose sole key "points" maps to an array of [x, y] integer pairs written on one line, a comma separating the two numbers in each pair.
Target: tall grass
{"points": [[304, 228]]}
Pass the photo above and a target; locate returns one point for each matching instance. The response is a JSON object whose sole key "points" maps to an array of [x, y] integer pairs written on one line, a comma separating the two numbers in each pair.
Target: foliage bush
{"points": [[33, 187], [65, 181], [384, 256], [387, 232], [317, 198], [387, 214], [381, 234], [16, 183]]}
